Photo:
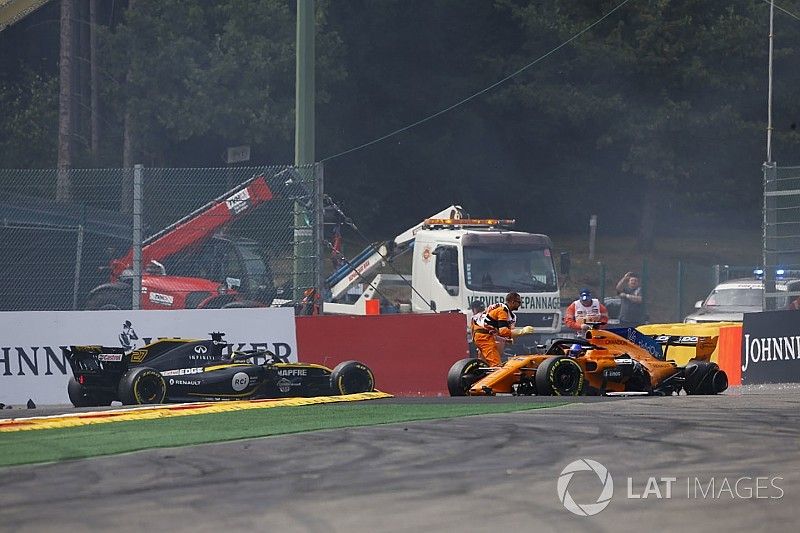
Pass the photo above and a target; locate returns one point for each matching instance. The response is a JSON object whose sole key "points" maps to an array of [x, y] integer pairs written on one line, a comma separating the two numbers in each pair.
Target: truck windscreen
{"points": [[498, 269]]}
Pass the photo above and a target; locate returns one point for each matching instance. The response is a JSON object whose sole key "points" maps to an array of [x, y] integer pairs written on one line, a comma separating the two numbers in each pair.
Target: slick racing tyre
{"points": [[463, 374], [704, 377], [559, 376], [352, 377], [81, 398], [142, 385]]}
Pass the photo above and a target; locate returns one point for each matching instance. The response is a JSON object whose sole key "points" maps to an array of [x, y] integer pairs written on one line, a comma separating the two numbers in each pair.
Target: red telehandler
{"points": [[207, 269]]}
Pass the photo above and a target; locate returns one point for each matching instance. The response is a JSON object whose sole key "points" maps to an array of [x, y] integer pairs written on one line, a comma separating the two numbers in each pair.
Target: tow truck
{"points": [[456, 260], [207, 269]]}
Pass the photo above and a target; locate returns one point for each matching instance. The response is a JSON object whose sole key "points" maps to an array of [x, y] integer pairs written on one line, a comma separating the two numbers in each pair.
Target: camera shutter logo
{"points": [[585, 509]]}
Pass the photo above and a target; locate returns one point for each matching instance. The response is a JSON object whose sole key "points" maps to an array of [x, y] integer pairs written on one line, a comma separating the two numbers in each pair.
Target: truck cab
{"points": [[458, 260], [456, 264]]}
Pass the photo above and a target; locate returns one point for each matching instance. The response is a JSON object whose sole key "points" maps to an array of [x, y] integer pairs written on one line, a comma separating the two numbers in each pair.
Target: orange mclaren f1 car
{"points": [[606, 361]]}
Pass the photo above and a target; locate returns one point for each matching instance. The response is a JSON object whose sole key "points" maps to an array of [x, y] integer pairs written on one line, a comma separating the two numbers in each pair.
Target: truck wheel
{"points": [[704, 377], [463, 374], [239, 304], [352, 377], [80, 398], [109, 300], [142, 385], [559, 376]]}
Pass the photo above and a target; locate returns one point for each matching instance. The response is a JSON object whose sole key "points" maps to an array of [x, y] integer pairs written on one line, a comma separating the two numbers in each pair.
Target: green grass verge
{"points": [[48, 445]]}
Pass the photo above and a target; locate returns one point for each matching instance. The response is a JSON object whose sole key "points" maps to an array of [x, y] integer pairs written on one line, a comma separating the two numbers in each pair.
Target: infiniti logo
{"points": [[200, 349], [585, 509]]}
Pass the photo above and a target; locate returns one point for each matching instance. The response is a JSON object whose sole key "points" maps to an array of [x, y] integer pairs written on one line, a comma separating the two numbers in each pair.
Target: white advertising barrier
{"points": [[33, 366]]}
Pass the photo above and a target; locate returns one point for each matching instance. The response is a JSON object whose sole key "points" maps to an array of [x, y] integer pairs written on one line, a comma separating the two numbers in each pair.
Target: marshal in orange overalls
{"points": [[493, 328]]}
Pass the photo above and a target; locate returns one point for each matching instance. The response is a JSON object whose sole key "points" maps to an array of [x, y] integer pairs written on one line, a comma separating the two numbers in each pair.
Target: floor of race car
{"points": [[695, 458]]}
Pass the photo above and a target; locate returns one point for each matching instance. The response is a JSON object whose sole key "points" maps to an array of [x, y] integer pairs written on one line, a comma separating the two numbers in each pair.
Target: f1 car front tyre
{"points": [[81, 398], [463, 374], [352, 377], [559, 376], [704, 377], [142, 385]]}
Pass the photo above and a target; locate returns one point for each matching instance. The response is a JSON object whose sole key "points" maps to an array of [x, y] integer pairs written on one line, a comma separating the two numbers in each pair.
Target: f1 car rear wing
{"points": [[704, 346], [97, 359], [658, 345]]}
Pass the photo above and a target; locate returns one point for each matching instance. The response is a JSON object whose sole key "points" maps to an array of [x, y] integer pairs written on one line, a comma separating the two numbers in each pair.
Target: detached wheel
{"points": [[559, 376], [142, 385], [704, 377], [352, 377], [463, 374], [81, 398]]}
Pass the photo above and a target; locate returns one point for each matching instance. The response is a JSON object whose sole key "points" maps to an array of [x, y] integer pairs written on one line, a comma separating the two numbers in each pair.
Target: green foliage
{"points": [[208, 74], [663, 99], [28, 122]]}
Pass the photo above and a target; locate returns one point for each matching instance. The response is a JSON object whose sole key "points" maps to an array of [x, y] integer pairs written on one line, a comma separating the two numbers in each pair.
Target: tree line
{"points": [[651, 116]]}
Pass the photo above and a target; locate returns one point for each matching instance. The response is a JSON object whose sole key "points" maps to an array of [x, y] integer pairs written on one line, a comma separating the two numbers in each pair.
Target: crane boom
{"points": [[377, 254], [198, 225]]}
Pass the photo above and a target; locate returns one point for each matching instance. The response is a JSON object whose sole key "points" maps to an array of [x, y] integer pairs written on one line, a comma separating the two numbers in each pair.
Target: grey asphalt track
{"points": [[482, 473]]}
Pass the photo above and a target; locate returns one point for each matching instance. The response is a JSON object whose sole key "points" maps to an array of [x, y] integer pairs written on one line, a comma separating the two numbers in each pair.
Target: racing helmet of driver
{"points": [[575, 350]]}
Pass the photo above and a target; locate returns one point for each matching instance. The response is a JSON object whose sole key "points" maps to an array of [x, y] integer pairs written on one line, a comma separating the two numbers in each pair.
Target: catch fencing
{"points": [[160, 238], [781, 230], [671, 289]]}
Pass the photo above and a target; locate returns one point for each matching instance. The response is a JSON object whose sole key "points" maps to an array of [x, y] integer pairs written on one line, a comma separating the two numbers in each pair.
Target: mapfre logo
{"points": [[585, 509]]}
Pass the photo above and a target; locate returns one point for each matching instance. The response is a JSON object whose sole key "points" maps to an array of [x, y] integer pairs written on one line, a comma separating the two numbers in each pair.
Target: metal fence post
{"points": [[303, 248], [78, 258], [592, 235], [319, 230], [679, 309], [645, 283], [768, 227], [137, 237], [602, 281]]}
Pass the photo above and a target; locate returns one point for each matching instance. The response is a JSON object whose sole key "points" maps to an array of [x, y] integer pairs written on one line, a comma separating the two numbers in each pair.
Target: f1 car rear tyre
{"points": [[80, 398], [704, 377], [559, 376], [352, 377], [463, 374], [142, 385]]}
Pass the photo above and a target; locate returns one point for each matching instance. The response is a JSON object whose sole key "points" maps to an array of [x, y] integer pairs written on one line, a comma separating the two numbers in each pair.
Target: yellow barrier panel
{"points": [[682, 354], [153, 412]]}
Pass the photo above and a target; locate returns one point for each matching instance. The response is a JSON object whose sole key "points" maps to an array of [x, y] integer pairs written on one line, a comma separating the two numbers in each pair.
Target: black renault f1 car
{"points": [[186, 370]]}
